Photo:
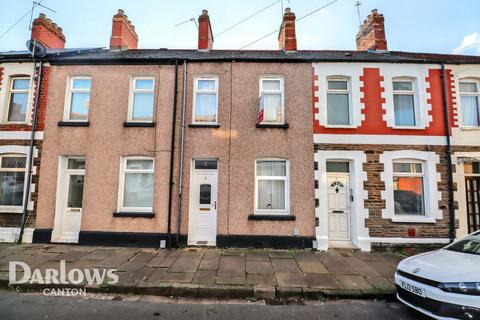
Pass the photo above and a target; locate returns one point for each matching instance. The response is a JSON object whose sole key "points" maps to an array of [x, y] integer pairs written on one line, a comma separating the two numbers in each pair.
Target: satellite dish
{"points": [[36, 48]]}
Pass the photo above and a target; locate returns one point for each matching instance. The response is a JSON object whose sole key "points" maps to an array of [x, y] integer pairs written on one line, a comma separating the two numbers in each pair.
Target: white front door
{"points": [[202, 222], [68, 215], [338, 207]]}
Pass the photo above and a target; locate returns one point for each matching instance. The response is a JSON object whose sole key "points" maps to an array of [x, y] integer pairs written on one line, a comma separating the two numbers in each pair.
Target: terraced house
{"points": [[248, 148]]}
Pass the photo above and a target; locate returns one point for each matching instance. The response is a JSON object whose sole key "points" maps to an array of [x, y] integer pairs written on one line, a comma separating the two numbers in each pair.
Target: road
{"points": [[36, 306]]}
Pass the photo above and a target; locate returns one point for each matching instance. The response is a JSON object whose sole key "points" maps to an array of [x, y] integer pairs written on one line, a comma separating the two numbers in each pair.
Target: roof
{"points": [[149, 56]]}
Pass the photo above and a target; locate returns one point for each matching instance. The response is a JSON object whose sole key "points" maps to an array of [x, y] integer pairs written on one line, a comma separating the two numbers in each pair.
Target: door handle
{"points": [[215, 205], [337, 211]]}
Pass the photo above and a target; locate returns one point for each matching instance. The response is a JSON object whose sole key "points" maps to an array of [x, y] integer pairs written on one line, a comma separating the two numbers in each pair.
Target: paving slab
{"points": [[309, 264], [261, 279], [210, 264], [187, 262], [259, 267], [230, 280], [144, 256], [181, 277], [338, 266], [285, 265], [385, 269], [353, 282], [361, 267], [257, 256], [317, 280], [99, 254], [117, 259], [232, 266], [233, 252], [205, 277], [380, 282], [280, 254], [290, 279], [132, 266], [212, 254]]}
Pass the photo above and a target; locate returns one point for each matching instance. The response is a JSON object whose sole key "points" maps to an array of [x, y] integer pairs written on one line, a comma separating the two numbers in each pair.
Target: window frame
{"points": [[412, 175], [348, 91], [11, 91], [69, 172], [131, 97], [286, 178], [15, 209], [281, 91], [474, 94], [414, 94], [121, 188], [194, 102], [68, 97]]}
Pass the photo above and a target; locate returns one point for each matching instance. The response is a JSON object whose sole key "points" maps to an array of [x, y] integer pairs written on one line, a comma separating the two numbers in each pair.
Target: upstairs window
{"points": [[18, 99], [78, 99], [404, 103], [141, 104], [338, 102], [205, 101], [469, 96], [12, 180], [271, 109], [408, 188]]}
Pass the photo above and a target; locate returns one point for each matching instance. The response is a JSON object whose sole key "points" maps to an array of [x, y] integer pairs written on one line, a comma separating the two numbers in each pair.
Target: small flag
{"points": [[261, 109]]}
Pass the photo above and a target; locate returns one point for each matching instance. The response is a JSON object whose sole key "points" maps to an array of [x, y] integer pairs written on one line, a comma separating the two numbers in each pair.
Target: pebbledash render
{"points": [[244, 148]]}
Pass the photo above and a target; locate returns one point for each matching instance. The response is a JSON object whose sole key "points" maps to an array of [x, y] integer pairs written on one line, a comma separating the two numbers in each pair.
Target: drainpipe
{"points": [[182, 143], [172, 155], [30, 153], [451, 208]]}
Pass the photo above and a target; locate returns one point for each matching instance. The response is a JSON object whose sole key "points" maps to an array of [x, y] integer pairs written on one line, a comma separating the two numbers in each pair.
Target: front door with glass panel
{"points": [[202, 222], [68, 215], [338, 207]]}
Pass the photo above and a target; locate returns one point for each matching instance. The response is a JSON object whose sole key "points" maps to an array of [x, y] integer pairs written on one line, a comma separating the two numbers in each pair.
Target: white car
{"points": [[443, 284]]}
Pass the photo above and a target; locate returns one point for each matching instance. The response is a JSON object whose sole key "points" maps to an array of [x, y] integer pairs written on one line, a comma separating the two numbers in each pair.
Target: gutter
{"points": [[172, 156], [30, 153], [451, 204], [182, 144]]}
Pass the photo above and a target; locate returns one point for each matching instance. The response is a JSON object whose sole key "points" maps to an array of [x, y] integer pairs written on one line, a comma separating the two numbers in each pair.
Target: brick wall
{"points": [[380, 227]]}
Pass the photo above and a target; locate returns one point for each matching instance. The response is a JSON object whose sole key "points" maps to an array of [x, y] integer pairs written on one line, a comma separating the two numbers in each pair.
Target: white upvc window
{"points": [[272, 101], [408, 187], [469, 101], [205, 101], [12, 181], [77, 99], [136, 184], [18, 99], [339, 108], [141, 101], [272, 186], [405, 103]]}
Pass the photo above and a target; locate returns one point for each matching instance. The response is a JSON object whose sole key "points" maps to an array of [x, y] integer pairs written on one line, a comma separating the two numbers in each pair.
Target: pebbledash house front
{"points": [[251, 148]]}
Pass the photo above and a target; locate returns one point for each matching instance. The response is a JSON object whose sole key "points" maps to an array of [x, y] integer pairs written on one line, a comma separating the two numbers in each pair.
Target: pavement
{"points": [[118, 307], [216, 273]]}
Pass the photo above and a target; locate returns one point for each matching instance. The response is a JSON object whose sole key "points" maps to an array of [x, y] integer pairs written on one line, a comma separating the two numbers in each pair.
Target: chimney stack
{"points": [[123, 36], [371, 35], [205, 34], [287, 39], [47, 33]]}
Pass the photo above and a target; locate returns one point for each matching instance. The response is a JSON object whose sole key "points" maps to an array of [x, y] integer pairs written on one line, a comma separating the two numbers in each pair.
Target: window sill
{"points": [[470, 128], [73, 123], [340, 127], [412, 219], [272, 126], [7, 209], [407, 128], [125, 214], [197, 125], [272, 217], [127, 124]]}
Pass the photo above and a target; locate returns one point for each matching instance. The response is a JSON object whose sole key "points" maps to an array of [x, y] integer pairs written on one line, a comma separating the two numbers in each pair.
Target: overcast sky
{"points": [[444, 26]]}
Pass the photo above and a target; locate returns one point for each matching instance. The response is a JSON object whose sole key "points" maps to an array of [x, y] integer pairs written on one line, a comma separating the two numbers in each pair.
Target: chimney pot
{"points": [[371, 35], [123, 36], [205, 34], [287, 39], [48, 33]]}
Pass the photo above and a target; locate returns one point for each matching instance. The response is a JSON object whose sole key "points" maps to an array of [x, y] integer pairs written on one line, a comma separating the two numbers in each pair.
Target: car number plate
{"points": [[412, 288]]}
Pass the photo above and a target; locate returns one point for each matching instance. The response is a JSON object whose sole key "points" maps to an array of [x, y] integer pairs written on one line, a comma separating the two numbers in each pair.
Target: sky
{"points": [[440, 26]]}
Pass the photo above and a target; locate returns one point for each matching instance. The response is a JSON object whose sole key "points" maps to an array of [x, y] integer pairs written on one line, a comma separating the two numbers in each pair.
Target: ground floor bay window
{"points": [[12, 181], [136, 185], [272, 186]]}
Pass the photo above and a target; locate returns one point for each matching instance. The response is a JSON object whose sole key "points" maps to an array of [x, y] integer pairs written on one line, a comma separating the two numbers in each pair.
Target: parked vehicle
{"points": [[443, 284]]}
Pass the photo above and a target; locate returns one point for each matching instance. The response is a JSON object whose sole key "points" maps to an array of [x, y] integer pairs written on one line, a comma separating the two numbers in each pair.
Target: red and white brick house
{"points": [[381, 150], [18, 84]]}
